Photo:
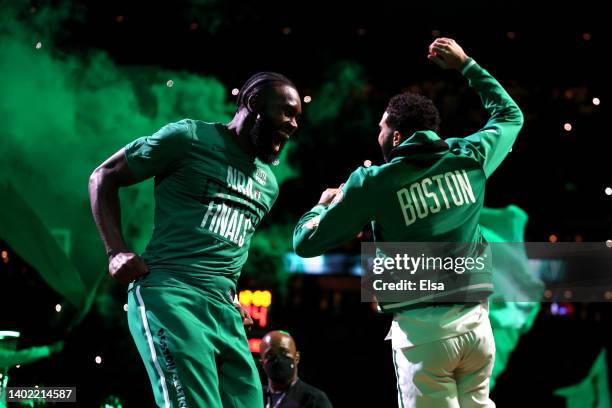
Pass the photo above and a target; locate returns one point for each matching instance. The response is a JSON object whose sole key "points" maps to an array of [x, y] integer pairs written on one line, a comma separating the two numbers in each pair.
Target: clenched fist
{"points": [[331, 195], [446, 53], [126, 267]]}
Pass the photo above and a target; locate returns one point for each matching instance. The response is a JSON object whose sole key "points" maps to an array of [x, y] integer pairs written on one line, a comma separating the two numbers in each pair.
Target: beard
{"points": [[386, 148], [262, 138]]}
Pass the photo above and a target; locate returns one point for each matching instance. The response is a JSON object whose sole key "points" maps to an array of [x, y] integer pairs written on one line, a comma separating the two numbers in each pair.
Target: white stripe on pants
{"points": [[449, 373]]}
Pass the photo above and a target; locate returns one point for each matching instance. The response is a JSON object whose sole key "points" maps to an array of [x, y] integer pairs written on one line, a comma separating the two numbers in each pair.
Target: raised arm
{"points": [[494, 140]]}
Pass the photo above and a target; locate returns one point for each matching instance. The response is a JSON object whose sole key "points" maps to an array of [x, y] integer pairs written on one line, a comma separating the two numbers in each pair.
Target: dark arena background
{"points": [[79, 80]]}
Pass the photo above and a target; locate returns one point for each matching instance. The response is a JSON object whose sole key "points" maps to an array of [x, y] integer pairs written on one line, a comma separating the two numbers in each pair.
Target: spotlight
{"points": [[554, 308]]}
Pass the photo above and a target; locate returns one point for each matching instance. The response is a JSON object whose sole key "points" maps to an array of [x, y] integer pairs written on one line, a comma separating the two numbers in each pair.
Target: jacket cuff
{"points": [[467, 65], [318, 208]]}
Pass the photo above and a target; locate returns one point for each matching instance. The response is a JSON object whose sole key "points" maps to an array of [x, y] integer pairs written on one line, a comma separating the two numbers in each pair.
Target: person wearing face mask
{"points": [[430, 190], [213, 187], [280, 359]]}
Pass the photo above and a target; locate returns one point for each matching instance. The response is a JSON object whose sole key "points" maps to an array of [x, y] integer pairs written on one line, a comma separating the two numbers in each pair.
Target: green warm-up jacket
{"points": [[430, 190]]}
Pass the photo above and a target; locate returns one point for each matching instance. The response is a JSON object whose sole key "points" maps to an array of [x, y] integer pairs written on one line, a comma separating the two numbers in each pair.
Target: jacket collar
{"points": [[424, 142]]}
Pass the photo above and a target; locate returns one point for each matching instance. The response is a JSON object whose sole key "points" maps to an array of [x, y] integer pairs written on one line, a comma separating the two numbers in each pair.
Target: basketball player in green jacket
{"points": [[213, 186], [430, 190]]}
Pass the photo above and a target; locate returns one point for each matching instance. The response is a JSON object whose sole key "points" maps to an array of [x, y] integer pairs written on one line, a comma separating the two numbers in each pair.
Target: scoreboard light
{"points": [[260, 298], [254, 345], [257, 304], [259, 315]]}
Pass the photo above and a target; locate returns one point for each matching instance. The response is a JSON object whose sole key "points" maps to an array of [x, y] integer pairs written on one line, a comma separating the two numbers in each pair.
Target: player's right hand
{"points": [[331, 195], [126, 267], [447, 54]]}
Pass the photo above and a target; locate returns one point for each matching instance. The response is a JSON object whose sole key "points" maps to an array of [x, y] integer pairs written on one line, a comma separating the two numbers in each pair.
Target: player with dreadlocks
{"points": [[213, 186]]}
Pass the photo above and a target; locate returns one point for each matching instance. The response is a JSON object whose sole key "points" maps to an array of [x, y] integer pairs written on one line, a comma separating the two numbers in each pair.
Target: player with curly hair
{"points": [[430, 190]]}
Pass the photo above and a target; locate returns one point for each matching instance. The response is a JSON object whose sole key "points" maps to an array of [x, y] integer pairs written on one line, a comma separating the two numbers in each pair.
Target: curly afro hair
{"points": [[409, 112]]}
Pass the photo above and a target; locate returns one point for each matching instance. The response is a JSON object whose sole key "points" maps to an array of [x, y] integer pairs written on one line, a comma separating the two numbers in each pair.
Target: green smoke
{"points": [[339, 119], [346, 80], [63, 113]]}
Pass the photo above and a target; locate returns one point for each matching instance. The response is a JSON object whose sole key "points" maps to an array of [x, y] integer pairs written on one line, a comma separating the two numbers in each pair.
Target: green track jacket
{"points": [[431, 190]]}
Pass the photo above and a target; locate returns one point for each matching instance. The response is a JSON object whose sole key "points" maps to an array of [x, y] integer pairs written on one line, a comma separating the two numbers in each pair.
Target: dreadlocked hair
{"points": [[258, 82]]}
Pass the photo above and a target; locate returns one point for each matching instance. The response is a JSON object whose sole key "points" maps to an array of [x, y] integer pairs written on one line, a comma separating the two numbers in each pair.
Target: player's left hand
{"points": [[247, 321]]}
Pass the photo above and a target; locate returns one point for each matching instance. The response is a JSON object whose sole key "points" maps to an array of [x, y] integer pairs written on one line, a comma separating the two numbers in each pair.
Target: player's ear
{"points": [[397, 138], [297, 357], [253, 103]]}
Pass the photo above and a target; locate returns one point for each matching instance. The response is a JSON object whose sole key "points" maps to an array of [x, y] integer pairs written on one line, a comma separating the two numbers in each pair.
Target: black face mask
{"points": [[279, 369]]}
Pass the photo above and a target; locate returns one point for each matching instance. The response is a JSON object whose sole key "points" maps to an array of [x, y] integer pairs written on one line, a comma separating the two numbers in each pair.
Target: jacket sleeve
{"points": [[492, 143], [323, 228]]}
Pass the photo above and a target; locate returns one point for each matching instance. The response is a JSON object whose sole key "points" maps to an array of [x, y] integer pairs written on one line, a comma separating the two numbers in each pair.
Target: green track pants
{"points": [[194, 348]]}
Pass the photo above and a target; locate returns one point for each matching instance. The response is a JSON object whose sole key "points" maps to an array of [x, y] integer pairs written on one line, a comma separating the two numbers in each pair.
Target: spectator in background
{"points": [[280, 359]]}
